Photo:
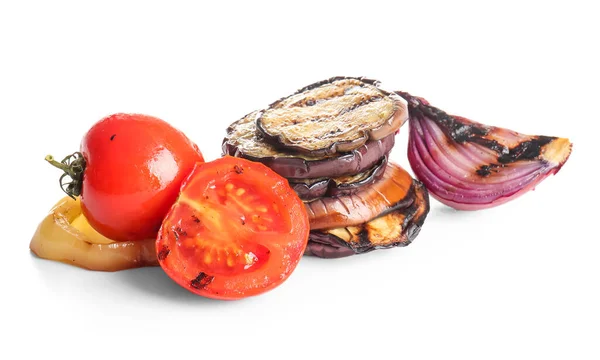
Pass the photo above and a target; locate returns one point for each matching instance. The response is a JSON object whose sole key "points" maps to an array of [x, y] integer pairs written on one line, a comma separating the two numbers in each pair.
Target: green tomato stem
{"points": [[73, 166]]}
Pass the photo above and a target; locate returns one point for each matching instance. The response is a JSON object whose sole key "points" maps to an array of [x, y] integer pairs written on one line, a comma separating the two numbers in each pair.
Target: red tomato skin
{"points": [[135, 165]]}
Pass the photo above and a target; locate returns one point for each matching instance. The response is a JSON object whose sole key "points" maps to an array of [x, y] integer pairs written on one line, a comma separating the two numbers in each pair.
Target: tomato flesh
{"points": [[237, 229]]}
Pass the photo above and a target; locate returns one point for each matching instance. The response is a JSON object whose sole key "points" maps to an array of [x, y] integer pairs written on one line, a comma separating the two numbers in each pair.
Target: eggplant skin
{"points": [[396, 228], [391, 191], [311, 189], [242, 141], [335, 115]]}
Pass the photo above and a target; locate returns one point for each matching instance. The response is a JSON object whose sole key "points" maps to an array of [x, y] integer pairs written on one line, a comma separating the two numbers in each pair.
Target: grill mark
{"points": [[461, 131], [526, 150], [364, 240], [486, 170], [362, 80], [370, 99], [273, 127], [451, 125], [332, 95], [335, 93], [163, 253], [201, 281]]}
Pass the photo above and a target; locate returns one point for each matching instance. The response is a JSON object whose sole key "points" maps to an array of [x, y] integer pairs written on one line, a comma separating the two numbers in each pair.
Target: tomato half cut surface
{"points": [[236, 230]]}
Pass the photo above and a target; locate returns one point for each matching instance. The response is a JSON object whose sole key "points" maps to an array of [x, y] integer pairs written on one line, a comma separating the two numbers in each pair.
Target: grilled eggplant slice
{"points": [[393, 190], [337, 115], [397, 228], [242, 141], [310, 189]]}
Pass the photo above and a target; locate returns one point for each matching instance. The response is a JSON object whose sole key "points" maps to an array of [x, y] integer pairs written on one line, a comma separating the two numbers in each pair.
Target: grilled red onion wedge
{"points": [[242, 141], [396, 228], [310, 189], [394, 190], [469, 166], [339, 114]]}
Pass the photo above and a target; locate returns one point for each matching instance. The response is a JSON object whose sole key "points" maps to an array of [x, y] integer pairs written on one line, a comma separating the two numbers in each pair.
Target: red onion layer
{"points": [[469, 166]]}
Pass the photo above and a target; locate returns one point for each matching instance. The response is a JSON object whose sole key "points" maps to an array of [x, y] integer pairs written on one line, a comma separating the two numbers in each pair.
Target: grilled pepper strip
{"points": [[65, 236]]}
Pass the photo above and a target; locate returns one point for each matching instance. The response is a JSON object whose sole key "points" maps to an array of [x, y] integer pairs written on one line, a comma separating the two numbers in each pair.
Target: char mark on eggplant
{"points": [[332, 116], [243, 141], [395, 228]]}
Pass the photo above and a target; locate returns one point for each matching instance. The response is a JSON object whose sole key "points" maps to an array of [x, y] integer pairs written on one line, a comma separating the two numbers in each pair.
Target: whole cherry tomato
{"points": [[128, 173]]}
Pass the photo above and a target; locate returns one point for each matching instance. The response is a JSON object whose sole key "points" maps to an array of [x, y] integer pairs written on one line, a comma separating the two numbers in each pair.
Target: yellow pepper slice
{"points": [[65, 235]]}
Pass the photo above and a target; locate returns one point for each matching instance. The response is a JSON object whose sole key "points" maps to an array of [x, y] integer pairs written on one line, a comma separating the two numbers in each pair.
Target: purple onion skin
{"points": [[471, 166]]}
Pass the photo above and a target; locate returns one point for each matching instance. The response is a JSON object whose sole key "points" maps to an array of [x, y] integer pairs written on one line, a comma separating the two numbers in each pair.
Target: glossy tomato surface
{"points": [[135, 165], [236, 230]]}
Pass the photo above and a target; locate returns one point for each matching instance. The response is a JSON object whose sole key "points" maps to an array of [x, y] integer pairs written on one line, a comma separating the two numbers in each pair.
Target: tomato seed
{"points": [[230, 261]]}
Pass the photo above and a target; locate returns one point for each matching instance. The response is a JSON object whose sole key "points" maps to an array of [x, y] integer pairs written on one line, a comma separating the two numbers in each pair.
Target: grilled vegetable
{"points": [[310, 189], [236, 230], [242, 141], [468, 165], [65, 235], [336, 115], [397, 228], [394, 190]]}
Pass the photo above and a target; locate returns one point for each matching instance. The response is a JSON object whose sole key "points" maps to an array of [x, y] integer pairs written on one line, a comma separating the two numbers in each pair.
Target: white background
{"points": [[515, 282]]}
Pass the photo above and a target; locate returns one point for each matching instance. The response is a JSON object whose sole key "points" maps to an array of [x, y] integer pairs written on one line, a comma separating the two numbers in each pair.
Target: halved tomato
{"points": [[236, 230]]}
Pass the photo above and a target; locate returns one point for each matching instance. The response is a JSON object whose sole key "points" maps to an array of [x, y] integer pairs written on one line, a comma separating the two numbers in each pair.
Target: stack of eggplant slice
{"points": [[332, 141]]}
